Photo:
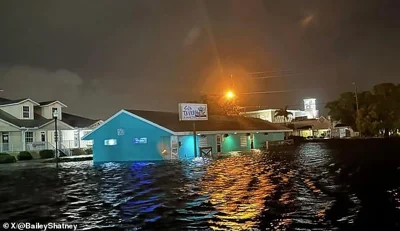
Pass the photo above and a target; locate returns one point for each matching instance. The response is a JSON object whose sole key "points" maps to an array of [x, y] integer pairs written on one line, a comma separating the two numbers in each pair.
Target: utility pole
{"points": [[55, 116], [358, 111]]}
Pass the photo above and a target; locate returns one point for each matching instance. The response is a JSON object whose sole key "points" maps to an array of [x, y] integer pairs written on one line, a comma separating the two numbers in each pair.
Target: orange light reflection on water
{"points": [[237, 190]]}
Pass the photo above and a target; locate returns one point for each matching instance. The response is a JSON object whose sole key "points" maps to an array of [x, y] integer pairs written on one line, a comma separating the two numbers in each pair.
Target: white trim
{"points": [[108, 120], [11, 124], [59, 121], [230, 132], [134, 116], [46, 105], [22, 101]]}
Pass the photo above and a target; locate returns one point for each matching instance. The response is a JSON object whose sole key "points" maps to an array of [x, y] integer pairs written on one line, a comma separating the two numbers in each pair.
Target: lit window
{"points": [[142, 140], [25, 112], [243, 141], [110, 142]]}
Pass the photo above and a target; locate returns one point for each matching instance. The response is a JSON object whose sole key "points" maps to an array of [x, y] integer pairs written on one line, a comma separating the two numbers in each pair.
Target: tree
{"points": [[379, 110], [344, 109], [283, 112]]}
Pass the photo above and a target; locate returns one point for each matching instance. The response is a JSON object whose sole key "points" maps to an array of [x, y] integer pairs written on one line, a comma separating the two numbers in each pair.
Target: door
{"points": [[219, 143], [5, 141], [252, 141]]}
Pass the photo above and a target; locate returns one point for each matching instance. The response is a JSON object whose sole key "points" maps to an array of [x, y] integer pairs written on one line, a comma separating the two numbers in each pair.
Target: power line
{"points": [[284, 73], [272, 92]]}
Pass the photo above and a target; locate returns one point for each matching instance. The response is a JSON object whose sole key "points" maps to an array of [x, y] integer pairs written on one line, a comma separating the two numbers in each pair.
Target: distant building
{"points": [[310, 112], [305, 123], [27, 125]]}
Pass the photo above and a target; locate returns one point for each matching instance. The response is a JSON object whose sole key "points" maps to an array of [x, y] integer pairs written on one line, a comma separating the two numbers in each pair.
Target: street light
{"points": [[55, 116], [230, 95]]}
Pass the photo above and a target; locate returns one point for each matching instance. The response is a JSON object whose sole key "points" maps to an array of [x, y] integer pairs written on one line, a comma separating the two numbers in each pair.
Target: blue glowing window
{"points": [[142, 140]]}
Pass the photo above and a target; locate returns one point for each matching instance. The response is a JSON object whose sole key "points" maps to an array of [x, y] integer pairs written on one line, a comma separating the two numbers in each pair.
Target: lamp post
{"points": [[358, 111], [55, 116]]}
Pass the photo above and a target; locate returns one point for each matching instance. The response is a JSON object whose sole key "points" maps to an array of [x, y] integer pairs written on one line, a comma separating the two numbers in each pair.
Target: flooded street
{"points": [[340, 185]]}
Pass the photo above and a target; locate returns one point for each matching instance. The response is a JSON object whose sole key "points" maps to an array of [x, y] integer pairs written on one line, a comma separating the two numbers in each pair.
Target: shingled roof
{"points": [[170, 120], [36, 122], [77, 121], [4, 101]]}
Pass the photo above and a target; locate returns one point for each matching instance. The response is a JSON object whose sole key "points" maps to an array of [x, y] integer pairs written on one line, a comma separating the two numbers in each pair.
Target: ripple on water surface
{"points": [[295, 188]]}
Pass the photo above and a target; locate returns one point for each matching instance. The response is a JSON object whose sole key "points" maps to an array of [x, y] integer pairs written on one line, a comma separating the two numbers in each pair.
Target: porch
{"points": [[40, 139]]}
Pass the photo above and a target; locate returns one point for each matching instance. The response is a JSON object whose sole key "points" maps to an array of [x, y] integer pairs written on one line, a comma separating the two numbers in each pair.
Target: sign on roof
{"points": [[193, 111]]}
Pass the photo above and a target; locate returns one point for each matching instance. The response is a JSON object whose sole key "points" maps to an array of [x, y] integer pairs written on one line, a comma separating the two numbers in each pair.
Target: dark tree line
{"points": [[379, 110]]}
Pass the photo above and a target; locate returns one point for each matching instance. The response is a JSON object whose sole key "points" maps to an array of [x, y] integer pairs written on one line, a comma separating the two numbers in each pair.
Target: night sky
{"points": [[98, 56]]}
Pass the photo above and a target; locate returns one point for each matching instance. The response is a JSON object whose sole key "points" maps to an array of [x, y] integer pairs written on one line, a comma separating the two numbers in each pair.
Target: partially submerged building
{"points": [[134, 135]]}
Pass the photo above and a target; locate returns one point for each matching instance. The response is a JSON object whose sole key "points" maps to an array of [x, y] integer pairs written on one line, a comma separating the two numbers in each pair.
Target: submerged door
{"points": [[219, 143], [5, 141]]}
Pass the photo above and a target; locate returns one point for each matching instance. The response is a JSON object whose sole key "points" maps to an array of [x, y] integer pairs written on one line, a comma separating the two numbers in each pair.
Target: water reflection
{"points": [[314, 186]]}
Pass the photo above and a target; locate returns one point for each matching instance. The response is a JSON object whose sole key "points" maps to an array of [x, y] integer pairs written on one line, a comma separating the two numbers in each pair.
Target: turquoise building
{"points": [[133, 135]]}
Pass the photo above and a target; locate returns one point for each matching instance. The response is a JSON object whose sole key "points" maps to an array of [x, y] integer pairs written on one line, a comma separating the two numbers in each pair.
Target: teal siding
{"points": [[212, 142], [261, 138], [126, 149], [232, 143], [186, 150]]}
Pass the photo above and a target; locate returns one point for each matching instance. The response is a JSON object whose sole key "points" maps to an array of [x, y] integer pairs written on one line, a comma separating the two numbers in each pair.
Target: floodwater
{"points": [[338, 185]]}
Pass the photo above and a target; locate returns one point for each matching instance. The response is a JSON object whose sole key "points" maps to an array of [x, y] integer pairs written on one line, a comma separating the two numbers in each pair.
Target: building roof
{"points": [[170, 120], [45, 103], [36, 122], [77, 121], [4, 101]]}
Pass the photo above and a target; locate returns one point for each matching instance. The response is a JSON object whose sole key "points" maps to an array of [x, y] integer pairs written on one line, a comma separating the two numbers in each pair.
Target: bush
{"points": [[24, 155], [6, 158], [89, 151], [78, 152], [46, 154], [4, 154]]}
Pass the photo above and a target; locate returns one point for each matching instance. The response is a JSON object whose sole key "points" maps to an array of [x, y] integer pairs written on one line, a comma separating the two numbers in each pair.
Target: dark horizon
{"points": [[101, 57]]}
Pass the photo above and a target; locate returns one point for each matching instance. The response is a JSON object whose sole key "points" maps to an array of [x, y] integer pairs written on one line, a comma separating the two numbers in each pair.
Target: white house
{"points": [[29, 125]]}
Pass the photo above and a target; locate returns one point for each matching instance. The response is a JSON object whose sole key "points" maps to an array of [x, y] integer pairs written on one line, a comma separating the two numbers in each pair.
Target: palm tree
{"points": [[283, 112]]}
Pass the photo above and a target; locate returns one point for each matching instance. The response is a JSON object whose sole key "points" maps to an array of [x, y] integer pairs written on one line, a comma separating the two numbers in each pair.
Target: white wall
{"points": [[16, 110], [4, 127], [47, 111]]}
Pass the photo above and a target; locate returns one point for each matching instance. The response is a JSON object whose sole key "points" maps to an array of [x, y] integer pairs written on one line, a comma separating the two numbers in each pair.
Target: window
{"points": [[25, 112], [142, 140], [243, 141], [28, 137], [110, 142], [203, 142], [43, 136]]}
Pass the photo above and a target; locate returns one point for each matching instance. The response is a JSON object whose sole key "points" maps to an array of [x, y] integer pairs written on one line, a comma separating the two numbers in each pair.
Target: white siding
{"points": [[15, 141], [203, 142], [47, 111], [85, 143], [16, 110], [5, 127], [243, 141]]}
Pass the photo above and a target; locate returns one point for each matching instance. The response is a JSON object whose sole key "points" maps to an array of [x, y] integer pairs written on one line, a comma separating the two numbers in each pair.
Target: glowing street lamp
{"points": [[230, 95]]}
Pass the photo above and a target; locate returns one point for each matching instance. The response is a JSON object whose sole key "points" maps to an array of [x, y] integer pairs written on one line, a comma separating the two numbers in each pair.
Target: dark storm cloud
{"points": [[104, 55]]}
